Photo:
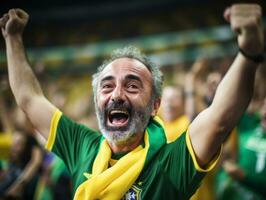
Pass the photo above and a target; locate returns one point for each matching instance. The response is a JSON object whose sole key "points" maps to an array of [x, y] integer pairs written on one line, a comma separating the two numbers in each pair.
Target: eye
{"points": [[106, 87], [132, 87]]}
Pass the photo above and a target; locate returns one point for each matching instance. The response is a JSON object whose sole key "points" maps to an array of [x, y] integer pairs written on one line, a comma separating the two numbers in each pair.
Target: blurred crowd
{"points": [[28, 172]]}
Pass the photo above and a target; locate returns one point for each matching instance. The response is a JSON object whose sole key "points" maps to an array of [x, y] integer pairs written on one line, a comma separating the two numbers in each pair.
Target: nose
{"points": [[118, 94]]}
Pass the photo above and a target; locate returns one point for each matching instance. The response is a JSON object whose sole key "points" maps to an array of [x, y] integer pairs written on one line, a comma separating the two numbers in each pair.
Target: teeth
{"points": [[118, 111]]}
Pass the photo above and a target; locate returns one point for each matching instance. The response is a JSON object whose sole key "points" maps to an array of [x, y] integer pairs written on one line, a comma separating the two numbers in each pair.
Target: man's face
{"points": [[124, 104]]}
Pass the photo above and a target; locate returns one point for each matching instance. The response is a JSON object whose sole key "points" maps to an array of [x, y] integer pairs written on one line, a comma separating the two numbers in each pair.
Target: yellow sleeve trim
{"points": [[53, 127], [211, 164]]}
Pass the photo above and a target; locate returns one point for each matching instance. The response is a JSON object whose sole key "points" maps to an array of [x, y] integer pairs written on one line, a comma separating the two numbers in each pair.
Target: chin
{"points": [[118, 137]]}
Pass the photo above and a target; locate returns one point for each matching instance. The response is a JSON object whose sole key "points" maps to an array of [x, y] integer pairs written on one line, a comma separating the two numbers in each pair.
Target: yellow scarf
{"points": [[112, 183]]}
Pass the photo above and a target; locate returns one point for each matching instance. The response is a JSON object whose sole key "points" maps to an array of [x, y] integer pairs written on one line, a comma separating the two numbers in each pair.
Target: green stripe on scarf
{"points": [[157, 138]]}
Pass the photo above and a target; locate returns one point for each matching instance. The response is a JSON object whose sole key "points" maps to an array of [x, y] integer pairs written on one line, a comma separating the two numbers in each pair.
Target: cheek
{"points": [[140, 100], [102, 100]]}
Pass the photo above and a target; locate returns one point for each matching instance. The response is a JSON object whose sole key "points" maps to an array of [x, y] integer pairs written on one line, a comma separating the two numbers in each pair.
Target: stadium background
{"points": [[67, 40]]}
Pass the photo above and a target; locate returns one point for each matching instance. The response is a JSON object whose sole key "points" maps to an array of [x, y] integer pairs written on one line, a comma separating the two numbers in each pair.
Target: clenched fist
{"points": [[246, 21], [13, 22]]}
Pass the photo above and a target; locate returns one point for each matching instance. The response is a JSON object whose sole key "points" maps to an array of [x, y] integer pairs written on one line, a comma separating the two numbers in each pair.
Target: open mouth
{"points": [[118, 118]]}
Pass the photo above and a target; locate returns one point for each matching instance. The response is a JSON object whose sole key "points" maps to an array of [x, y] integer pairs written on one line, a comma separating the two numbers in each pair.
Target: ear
{"points": [[156, 106]]}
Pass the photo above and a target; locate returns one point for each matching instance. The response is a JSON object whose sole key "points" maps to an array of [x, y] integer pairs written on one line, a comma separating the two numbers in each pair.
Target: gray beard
{"points": [[138, 121]]}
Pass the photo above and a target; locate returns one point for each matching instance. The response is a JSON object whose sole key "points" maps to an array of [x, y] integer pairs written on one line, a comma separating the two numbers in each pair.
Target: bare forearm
{"points": [[213, 125], [22, 80], [234, 92]]}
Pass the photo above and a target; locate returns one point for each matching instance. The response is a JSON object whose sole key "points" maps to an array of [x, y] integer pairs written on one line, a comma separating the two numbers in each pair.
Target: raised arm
{"points": [[212, 126], [24, 85]]}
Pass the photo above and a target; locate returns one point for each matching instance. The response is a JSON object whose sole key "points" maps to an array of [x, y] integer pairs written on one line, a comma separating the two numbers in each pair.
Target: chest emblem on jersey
{"points": [[132, 194]]}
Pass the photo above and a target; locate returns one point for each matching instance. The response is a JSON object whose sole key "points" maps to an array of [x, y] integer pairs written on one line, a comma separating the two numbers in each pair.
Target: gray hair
{"points": [[135, 53]]}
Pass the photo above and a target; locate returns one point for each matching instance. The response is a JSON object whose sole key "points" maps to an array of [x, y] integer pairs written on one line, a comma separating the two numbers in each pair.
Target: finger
{"points": [[21, 13], [246, 10], [3, 20], [227, 14], [12, 14]]}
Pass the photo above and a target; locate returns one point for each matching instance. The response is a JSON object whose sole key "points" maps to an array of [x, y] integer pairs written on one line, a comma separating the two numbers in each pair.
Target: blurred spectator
{"points": [[201, 83], [246, 177], [5, 126], [242, 178], [55, 181], [179, 106], [20, 174], [173, 113], [251, 118], [18, 181]]}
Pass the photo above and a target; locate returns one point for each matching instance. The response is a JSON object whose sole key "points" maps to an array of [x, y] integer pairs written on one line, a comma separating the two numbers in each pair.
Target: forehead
{"points": [[122, 67]]}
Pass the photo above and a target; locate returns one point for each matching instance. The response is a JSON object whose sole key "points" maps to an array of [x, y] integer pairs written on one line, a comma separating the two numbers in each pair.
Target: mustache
{"points": [[118, 105]]}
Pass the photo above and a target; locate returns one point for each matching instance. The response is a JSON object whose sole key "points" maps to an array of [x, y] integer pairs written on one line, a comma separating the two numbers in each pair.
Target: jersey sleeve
{"points": [[70, 140], [182, 168]]}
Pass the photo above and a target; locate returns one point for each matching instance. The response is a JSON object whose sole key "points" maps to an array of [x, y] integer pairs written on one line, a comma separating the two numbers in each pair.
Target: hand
{"points": [[13, 22], [199, 67], [246, 21], [15, 191], [233, 169]]}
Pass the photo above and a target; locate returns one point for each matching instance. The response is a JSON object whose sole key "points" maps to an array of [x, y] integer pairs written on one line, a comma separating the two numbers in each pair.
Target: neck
{"points": [[127, 145]]}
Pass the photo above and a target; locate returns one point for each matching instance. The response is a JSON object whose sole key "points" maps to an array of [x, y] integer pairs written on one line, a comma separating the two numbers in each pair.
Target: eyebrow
{"points": [[128, 77], [133, 77], [107, 78]]}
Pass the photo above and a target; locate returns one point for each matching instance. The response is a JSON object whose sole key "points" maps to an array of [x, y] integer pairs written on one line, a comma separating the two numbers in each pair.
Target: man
{"points": [[132, 159]]}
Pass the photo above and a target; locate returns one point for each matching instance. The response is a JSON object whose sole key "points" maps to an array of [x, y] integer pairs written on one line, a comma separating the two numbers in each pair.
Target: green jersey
{"points": [[252, 159], [248, 122], [172, 174]]}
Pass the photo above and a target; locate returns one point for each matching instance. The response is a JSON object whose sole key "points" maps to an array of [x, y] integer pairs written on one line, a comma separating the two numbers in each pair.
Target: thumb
{"points": [[227, 14], [228, 18]]}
